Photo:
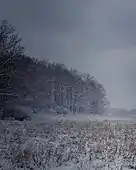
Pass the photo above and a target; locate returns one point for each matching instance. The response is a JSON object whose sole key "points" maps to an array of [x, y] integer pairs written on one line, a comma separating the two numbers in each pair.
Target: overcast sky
{"points": [[94, 36]]}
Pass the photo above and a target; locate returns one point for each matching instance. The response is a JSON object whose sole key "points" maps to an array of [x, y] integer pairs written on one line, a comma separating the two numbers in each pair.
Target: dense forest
{"points": [[25, 80]]}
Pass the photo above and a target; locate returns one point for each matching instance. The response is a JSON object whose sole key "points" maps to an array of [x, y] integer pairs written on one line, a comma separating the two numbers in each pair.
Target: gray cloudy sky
{"points": [[95, 36]]}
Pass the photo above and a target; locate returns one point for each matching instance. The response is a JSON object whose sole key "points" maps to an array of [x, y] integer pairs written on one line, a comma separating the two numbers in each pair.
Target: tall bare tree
{"points": [[10, 49]]}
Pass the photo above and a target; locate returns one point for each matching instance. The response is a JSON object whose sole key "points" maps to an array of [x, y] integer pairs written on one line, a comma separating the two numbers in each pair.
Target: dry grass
{"points": [[92, 144]]}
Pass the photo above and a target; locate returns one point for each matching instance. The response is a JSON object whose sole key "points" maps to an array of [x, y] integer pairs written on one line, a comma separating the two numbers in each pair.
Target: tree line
{"points": [[43, 83]]}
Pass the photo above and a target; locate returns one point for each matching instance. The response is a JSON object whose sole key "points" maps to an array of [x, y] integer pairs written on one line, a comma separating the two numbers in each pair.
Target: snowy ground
{"points": [[87, 117], [68, 143]]}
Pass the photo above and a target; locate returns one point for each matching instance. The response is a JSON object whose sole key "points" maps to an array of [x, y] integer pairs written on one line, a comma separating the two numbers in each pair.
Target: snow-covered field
{"points": [[87, 117], [60, 143]]}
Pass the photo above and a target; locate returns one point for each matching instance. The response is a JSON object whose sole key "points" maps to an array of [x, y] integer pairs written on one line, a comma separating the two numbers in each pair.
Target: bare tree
{"points": [[10, 49], [9, 40]]}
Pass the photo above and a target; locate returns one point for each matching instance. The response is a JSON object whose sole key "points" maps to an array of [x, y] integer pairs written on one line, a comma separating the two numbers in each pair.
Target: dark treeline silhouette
{"points": [[25, 80]]}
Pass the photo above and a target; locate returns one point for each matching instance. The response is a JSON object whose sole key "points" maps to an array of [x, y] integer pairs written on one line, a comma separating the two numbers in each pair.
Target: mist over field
{"points": [[67, 85]]}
